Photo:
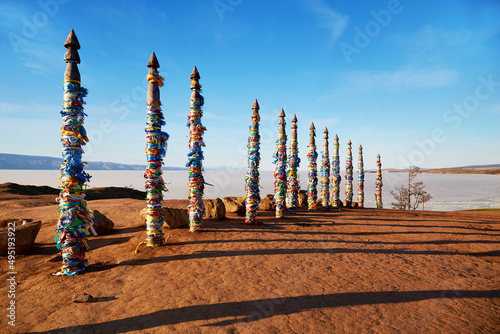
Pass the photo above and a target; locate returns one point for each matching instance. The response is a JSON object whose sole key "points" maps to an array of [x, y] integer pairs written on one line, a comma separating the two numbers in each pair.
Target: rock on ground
{"points": [[302, 196], [267, 203], [82, 298], [234, 204], [25, 232], [172, 217], [102, 224], [214, 209]]}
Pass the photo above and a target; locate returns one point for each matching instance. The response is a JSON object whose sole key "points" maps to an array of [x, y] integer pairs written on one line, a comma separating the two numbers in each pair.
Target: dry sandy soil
{"points": [[349, 271]]}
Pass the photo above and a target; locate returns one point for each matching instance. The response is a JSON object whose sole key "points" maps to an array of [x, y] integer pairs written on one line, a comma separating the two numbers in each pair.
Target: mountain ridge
{"points": [[36, 162]]}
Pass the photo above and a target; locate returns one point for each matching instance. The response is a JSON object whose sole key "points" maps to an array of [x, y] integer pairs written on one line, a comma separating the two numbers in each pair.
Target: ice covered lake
{"points": [[449, 191]]}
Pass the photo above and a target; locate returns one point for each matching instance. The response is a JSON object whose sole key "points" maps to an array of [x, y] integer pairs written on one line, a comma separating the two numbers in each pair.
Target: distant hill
{"points": [[493, 169], [480, 169], [482, 166], [18, 161]]}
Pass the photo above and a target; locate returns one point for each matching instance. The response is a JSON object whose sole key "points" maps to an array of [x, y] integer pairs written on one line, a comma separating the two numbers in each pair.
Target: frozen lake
{"points": [[449, 191]]}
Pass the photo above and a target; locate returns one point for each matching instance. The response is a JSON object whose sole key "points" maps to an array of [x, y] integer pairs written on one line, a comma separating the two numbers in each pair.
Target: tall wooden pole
{"points": [[378, 184], [196, 207], [336, 178], [348, 175], [74, 218], [280, 169], [312, 182], [361, 178], [252, 198], [156, 141], [325, 172], [293, 165]]}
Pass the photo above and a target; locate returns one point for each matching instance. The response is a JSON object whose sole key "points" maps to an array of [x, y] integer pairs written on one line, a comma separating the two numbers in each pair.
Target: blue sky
{"points": [[416, 81]]}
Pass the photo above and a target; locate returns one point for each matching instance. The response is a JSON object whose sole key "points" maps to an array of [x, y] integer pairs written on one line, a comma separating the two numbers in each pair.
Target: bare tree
{"points": [[415, 190]]}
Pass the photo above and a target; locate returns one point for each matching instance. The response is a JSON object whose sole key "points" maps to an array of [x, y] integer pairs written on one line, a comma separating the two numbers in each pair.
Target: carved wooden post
{"points": [[378, 184], [348, 176], [312, 182], [336, 178], [361, 179], [325, 172], [196, 207], [280, 169], [156, 141], [252, 198], [293, 165], [74, 217]]}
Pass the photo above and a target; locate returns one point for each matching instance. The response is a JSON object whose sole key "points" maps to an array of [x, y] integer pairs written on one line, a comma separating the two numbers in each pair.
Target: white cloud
{"points": [[430, 38], [430, 44], [37, 68], [402, 79], [328, 18]]}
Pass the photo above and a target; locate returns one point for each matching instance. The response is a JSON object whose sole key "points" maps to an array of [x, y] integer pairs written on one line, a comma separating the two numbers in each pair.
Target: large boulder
{"points": [[172, 217], [102, 224], [24, 231], [302, 197], [267, 203], [234, 204], [214, 209]]}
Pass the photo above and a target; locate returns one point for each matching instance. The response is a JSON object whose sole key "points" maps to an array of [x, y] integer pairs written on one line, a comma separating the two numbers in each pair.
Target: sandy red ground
{"points": [[353, 271]]}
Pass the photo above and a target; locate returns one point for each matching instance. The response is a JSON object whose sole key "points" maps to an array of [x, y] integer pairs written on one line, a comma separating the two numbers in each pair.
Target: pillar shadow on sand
{"points": [[245, 312]]}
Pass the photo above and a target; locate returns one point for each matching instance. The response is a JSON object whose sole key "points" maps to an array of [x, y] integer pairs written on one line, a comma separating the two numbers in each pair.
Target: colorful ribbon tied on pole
{"points": [[348, 175], [293, 165], [325, 172], [361, 179], [74, 218], [336, 178], [196, 185], [156, 142], [378, 184], [252, 198], [280, 183], [312, 177]]}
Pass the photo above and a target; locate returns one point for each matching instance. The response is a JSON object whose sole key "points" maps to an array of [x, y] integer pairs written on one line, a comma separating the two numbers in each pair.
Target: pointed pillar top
{"points": [[325, 136], [195, 75], [71, 40], [153, 61], [349, 143], [256, 105], [312, 134], [294, 128], [72, 58], [282, 123], [294, 122], [378, 156], [72, 45], [360, 148]]}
